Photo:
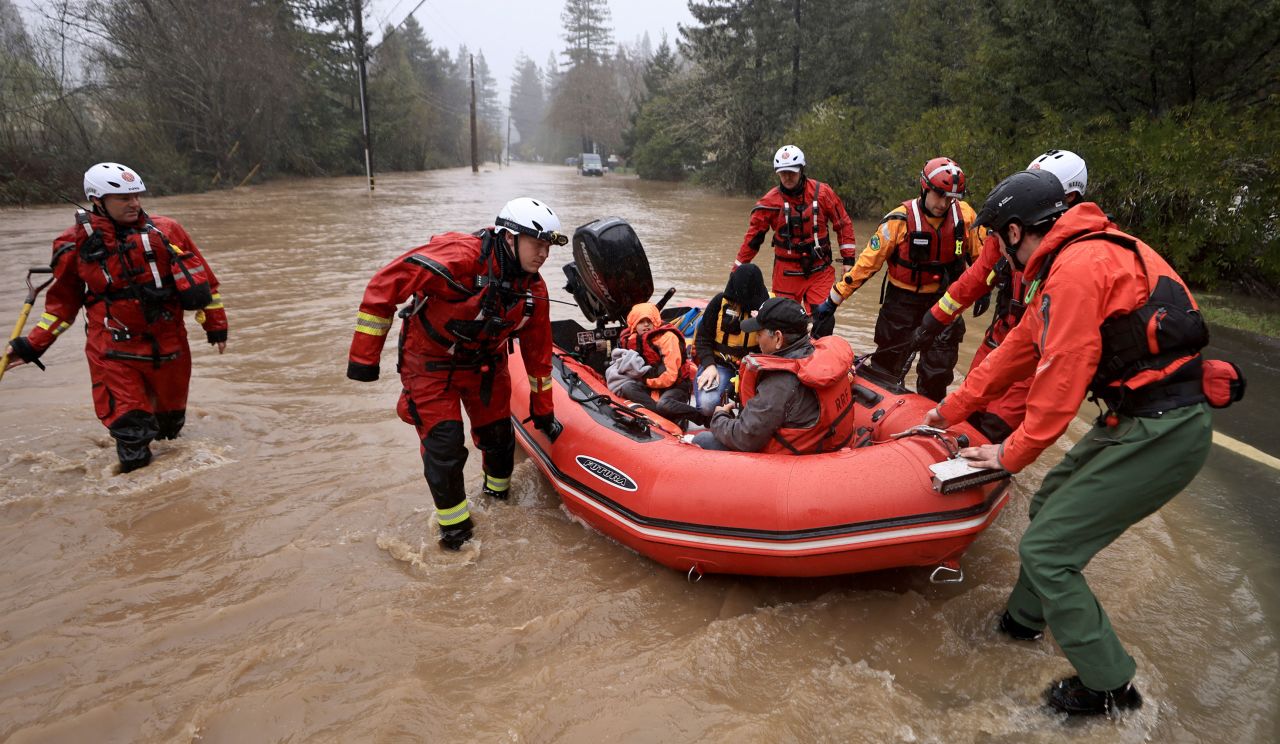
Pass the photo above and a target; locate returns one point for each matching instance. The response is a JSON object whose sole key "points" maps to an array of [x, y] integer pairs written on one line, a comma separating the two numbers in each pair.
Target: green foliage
{"points": [[1175, 107]]}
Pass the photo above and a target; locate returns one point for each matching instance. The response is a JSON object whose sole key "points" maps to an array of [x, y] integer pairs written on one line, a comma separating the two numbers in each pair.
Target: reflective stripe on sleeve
{"points": [[372, 324], [949, 305], [539, 384], [453, 514], [215, 303], [51, 324]]}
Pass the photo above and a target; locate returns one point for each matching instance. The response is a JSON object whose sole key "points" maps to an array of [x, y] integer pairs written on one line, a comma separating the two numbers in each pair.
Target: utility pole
{"points": [[508, 139], [364, 90], [475, 162]]}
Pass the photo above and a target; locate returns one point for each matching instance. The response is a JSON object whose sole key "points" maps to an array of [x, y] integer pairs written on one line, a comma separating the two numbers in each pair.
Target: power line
{"points": [[386, 16], [397, 26]]}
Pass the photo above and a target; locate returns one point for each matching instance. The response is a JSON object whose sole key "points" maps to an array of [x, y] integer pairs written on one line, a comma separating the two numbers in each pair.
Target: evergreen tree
{"points": [[527, 105], [587, 32]]}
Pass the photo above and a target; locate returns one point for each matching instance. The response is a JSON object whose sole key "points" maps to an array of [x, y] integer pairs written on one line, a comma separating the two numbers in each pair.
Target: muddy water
{"points": [[272, 577]]}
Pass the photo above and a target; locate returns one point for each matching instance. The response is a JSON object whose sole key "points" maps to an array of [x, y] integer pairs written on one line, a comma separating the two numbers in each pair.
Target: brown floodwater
{"points": [[273, 575]]}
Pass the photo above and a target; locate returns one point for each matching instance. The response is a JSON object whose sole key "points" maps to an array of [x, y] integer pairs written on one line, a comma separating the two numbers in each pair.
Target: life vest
{"points": [[799, 231], [1010, 306], [929, 255], [730, 344], [1150, 358], [828, 373], [647, 346], [131, 288], [466, 327]]}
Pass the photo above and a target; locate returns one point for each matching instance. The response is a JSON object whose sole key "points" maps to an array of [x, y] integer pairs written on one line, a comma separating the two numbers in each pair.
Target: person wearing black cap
{"points": [[796, 393], [720, 341]]}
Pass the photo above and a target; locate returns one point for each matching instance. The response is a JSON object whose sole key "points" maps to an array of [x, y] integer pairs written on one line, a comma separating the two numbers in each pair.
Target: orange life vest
{"points": [[828, 373], [647, 347]]}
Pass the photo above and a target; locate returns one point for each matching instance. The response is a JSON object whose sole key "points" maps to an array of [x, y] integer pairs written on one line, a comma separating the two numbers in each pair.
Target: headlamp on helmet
{"points": [[525, 216]]}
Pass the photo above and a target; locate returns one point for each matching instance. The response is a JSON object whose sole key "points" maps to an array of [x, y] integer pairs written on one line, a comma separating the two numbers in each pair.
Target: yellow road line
{"points": [[1240, 448]]}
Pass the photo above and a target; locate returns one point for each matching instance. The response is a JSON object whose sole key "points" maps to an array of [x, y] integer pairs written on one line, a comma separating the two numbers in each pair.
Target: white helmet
{"points": [[788, 158], [530, 217], [111, 178], [1067, 166]]}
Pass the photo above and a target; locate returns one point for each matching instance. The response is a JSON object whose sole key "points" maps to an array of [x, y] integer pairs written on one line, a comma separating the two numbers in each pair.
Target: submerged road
{"points": [[273, 575]]}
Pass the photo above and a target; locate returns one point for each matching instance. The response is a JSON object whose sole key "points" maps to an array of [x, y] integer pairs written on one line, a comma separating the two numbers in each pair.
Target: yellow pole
{"points": [[32, 292]]}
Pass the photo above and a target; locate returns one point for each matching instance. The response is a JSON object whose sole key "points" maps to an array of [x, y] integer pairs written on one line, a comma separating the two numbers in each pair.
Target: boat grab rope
{"points": [[626, 418]]}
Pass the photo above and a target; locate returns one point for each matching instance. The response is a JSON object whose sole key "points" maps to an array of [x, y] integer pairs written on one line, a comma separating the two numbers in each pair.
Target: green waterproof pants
{"points": [[1113, 478]]}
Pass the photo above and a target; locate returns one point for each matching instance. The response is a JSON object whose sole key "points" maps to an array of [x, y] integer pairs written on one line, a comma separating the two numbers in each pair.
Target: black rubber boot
{"points": [[170, 423], [499, 495], [455, 536], [1016, 630], [133, 458], [133, 433], [1070, 696]]}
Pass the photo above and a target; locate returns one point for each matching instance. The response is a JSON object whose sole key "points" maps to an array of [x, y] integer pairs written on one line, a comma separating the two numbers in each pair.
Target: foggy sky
{"points": [[504, 28]]}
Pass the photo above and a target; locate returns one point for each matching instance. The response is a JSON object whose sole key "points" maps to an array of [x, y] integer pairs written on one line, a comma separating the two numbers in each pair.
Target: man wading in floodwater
{"points": [[1106, 315], [134, 274], [470, 292]]}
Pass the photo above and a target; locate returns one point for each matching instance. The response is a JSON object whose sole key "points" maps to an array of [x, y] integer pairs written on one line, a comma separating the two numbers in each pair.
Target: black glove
{"points": [[547, 424], [217, 337], [23, 350], [848, 262], [362, 372], [981, 305], [824, 319], [930, 328]]}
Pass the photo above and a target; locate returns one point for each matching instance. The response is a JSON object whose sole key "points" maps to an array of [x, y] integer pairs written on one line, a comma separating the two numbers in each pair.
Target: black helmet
{"points": [[1027, 197]]}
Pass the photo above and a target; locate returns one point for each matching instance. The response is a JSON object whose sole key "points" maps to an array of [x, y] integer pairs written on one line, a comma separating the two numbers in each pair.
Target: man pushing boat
{"points": [[471, 293]]}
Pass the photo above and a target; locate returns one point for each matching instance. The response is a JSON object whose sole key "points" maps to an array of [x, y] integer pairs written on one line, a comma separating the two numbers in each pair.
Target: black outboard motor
{"points": [[610, 272]]}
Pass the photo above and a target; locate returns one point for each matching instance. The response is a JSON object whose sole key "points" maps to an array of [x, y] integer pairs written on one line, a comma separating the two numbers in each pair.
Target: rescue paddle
{"points": [[32, 292]]}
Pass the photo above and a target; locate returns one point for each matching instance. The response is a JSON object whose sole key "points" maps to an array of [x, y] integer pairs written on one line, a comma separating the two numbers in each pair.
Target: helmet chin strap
{"points": [[509, 257], [1011, 249]]}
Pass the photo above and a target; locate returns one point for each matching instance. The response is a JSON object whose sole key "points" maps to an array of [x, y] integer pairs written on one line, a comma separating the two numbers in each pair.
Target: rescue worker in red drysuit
{"points": [[797, 393], [134, 274], [671, 372], [469, 294], [1107, 316], [927, 242], [794, 209], [992, 272]]}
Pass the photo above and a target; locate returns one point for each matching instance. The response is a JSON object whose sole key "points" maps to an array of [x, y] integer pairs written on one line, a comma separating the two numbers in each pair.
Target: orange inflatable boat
{"points": [[632, 476]]}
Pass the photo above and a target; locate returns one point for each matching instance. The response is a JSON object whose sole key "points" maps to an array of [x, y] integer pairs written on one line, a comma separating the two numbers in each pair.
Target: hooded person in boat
{"points": [[797, 394], [720, 343], [668, 384]]}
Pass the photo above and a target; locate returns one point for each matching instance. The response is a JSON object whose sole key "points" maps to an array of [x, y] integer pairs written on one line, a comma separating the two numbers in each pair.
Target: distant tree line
{"points": [[1175, 106], [199, 94]]}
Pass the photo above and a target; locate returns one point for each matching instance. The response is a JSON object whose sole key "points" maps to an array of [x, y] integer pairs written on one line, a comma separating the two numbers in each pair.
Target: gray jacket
{"points": [[781, 401]]}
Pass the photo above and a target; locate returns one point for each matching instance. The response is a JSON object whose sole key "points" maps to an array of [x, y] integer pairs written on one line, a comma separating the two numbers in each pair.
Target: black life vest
{"points": [[1165, 329], [730, 344], [470, 327]]}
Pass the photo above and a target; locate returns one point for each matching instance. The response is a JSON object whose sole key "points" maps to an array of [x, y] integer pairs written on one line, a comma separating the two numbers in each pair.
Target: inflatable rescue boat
{"points": [[896, 497]]}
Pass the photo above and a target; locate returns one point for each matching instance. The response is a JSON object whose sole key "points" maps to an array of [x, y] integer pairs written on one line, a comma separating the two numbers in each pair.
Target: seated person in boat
{"points": [[719, 342], [797, 393], [668, 385]]}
